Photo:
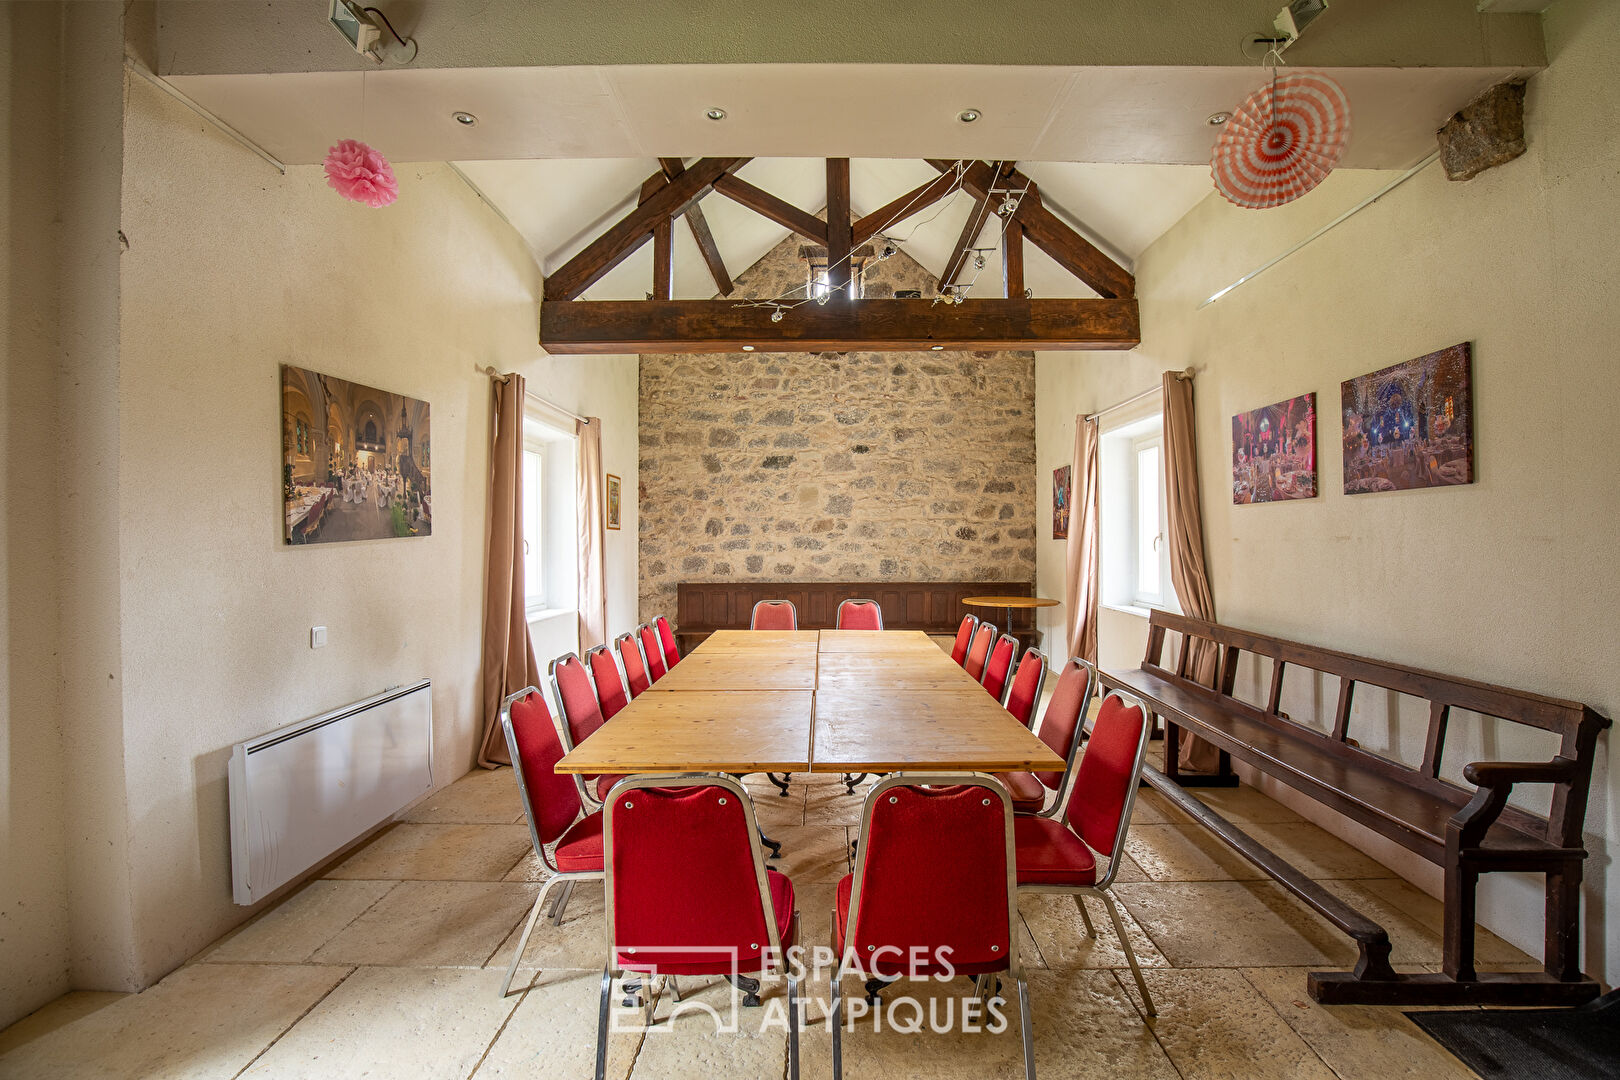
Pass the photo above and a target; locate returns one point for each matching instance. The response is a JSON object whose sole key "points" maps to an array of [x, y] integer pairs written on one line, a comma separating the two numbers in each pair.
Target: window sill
{"points": [[1139, 610], [535, 615]]}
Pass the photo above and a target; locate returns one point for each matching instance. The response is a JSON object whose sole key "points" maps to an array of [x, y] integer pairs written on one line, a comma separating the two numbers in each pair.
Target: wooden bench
{"points": [[934, 607], [1467, 832]]}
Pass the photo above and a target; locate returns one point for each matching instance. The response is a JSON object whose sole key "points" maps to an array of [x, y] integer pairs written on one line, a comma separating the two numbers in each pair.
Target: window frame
{"points": [[1160, 548], [534, 525]]}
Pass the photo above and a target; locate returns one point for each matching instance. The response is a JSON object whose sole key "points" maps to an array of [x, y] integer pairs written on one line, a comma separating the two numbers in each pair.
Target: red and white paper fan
{"points": [[1282, 141]]}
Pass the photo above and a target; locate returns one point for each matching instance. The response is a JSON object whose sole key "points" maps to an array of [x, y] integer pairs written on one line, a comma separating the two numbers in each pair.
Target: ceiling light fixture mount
{"points": [[464, 118], [967, 116], [1217, 119], [716, 113]]}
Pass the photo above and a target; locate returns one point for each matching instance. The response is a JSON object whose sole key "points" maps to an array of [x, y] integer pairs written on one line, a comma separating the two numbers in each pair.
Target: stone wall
{"points": [[835, 467]]}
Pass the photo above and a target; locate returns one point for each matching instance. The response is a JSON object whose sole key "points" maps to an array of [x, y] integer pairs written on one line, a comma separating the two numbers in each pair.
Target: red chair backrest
{"points": [[1065, 716], [1108, 774], [656, 668], [682, 874], [983, 638], [635, 670], [774, 615], [860, 615], [666, 638], [550, 798], [575, 697], [964, 636], [997, 668], [610, 692], [932, 872], [1025, 692]]}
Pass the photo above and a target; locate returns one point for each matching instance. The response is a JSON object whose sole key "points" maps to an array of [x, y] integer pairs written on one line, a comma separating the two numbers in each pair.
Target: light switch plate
{"points": [[317, 637]]}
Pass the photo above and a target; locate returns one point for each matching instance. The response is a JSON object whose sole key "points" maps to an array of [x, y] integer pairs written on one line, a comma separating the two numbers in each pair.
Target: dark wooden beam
{"points": [[663, 260], [912, 202], [876, 325], [1048, 232], [1012, 260], [763, 202], [636, 228], [840, 276], [971, 228], [701, 235]]}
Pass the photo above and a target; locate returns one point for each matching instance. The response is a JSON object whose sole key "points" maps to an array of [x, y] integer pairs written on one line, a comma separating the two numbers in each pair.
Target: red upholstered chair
{"points": [[998, 667], [964, 637], [1060, 730], [611, 693], [774, 615], [1059, 855], [552, 805], [859, 615], [1024, 692], [571, 689], [688, 892], [933, 871], [653, 651], [666, 640], [979, 652], [635, 665]]}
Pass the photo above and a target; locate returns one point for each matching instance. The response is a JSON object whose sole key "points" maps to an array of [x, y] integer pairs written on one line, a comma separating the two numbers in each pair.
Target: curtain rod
{"points": [[532, 396], [1143, 396]]}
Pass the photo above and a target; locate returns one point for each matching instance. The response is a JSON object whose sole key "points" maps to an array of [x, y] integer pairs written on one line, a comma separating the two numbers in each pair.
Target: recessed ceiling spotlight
{"points": [[1217, 119], [937, 348], [465, 119], [967, 116], [748, 348], [716, 114]]}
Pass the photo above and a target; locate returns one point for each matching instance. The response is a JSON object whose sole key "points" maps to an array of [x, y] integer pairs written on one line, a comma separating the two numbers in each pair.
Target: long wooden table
{"points": [[813, 701]]}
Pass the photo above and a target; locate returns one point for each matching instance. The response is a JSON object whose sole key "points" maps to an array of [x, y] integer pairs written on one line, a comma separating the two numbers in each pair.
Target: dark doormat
{"points": [[1532, 1044]]}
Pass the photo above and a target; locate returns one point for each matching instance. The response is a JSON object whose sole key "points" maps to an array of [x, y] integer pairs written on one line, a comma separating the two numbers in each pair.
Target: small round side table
{"points": [[1009, 602]]}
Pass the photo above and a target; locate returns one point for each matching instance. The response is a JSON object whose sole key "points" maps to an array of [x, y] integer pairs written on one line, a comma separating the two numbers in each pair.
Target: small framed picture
{"points": [[1061, 491], [614, 505]]}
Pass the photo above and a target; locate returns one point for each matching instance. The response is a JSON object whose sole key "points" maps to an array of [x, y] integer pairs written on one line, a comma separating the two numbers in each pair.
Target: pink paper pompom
{"points": [[356, 171]]}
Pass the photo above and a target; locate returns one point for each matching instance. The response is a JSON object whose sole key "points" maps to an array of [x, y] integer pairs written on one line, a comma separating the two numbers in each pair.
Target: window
{"points": [[1135, 556], [534, 526], [550, 555]]}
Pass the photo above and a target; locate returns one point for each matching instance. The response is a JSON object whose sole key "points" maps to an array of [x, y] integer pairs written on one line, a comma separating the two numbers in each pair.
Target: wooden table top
{"points": [[874, 642], [744, 670], [1010, 601], [701, 731], [895, 671], [735, 640], [883, 730]]}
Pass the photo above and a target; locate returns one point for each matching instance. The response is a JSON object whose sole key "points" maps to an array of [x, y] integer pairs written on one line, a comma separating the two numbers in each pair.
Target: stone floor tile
{"points": [[773, 810], [202, 1022], [813, 854], [528, 868], [709, 1033], [1216, 1026], [1316, 852], [831, 804], [552, 1034], [579, 944], [482, 797], [1058, 933], [1186, 853], [1244, 804], [71, 1006], [1358, 1042], [399, 1023], [1151, 808], [1414, 919], [411, 852], [815, 903], [1233, 924], [432, 924], [290, 932]]}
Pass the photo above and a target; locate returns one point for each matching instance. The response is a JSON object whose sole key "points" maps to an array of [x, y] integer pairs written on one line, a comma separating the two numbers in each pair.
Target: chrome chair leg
{"points": [[1130, 953], [674, 989], [1085, 916], [523, 939], [793, 1027], [836, 1021], [1029, 1029], [602, 1022], [562, 903]]}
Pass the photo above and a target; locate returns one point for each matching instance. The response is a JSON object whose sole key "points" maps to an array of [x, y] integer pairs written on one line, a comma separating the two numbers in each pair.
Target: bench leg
{"points": [[1562, 953], [1457, 936]]}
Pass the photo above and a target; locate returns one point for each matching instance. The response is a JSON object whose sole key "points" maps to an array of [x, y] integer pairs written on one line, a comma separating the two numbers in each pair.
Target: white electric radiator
{"points": [[303, 791]]}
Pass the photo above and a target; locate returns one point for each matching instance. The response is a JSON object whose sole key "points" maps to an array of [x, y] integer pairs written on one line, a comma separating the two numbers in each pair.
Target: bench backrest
{"points": [[1209, 655]]}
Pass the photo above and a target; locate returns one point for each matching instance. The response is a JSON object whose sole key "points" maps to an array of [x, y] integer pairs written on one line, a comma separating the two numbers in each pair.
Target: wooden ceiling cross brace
{"points": [[704, 238]]}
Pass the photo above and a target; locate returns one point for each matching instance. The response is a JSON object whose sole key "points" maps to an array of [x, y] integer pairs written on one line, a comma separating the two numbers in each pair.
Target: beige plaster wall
{"points": [[232, 270], [1514, 579]]}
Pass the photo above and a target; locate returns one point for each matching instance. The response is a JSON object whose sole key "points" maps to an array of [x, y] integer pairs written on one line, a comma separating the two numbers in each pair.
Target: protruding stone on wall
{"points": [[1489, 131]]}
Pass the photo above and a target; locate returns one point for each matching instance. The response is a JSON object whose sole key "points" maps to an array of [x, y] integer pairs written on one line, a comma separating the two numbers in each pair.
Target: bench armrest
{"points": [[1495, 780]]}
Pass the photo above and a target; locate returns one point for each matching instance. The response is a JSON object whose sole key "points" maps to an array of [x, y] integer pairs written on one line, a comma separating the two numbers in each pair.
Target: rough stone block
{"points": [[1487, 132]]}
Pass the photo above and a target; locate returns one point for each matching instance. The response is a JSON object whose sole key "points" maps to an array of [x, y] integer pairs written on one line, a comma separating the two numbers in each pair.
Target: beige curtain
{"points": [[588, 482], [508, 654], [1080, 576], [1185, 525]]}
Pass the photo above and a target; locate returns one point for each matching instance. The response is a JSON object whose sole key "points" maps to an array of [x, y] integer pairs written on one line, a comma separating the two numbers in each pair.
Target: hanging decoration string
{"points": [[359, 173]]}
